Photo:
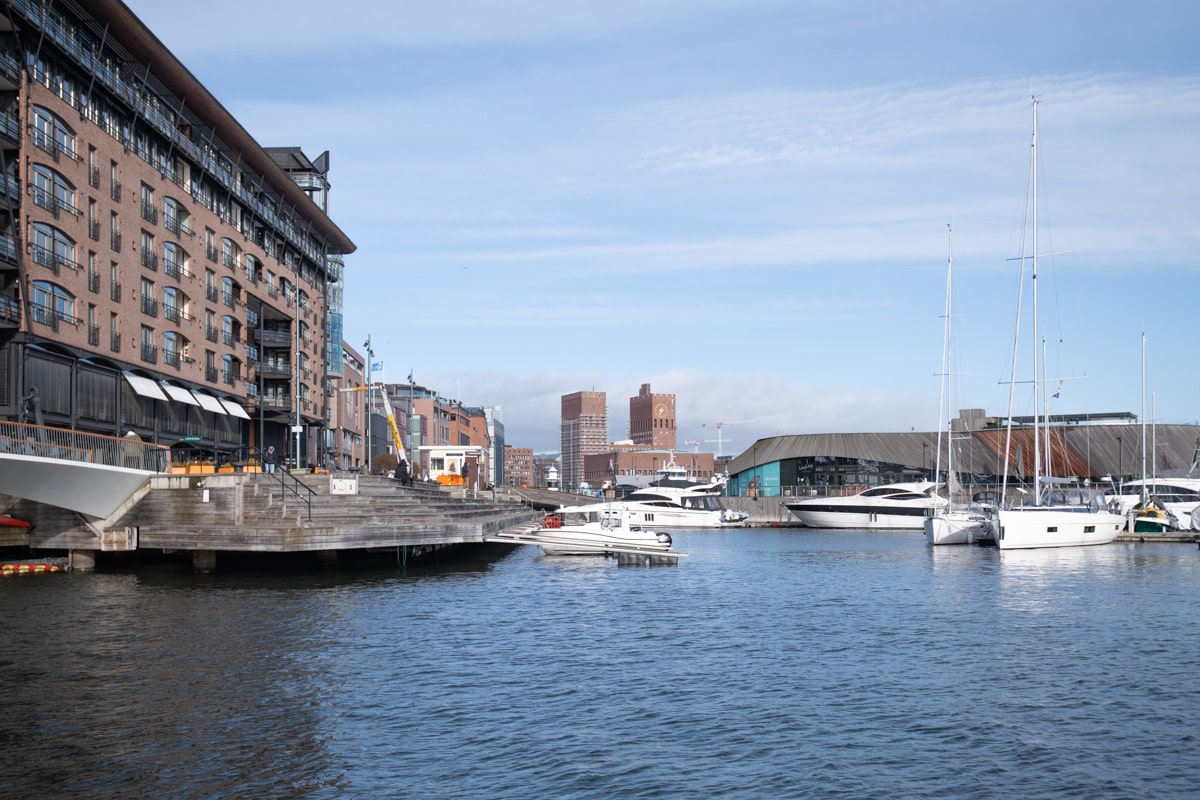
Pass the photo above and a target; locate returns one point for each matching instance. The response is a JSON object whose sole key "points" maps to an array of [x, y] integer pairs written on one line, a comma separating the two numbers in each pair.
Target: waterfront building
{"points": [[346, 445], [583, 432], [652, 419], [159, 271], [1098, 449], [518, 467]]}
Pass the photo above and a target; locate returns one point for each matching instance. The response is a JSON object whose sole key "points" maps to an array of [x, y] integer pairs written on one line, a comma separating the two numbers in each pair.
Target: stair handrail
{"points": [[287, 481]]}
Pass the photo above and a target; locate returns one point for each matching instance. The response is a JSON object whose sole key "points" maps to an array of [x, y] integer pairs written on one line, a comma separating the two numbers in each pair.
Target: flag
{"points": [[1058, 391], [377, 366]]}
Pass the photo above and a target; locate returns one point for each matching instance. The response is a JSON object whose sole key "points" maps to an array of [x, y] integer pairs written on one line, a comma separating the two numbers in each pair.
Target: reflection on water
{"points": [[770, 663]]}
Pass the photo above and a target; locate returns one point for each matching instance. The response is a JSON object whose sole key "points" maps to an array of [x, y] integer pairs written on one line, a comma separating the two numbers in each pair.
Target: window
{"points": [[148, 348], [51, 133], [230, 253], [149, 301], [52, 191], [171, 297], [231, 330], [52, 248], [175, 216], [175, 260], [149, 257], [149, 212], [52, 303]]}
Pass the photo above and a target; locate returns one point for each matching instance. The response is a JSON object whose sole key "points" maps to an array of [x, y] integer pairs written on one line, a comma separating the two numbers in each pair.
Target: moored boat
{"points": [[892, 506], [1058, 516], [595, 530]]}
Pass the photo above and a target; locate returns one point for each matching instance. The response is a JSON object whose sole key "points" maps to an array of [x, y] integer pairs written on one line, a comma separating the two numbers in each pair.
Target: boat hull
{"points": [[958, 528], [1027, 528], [877, 518]]}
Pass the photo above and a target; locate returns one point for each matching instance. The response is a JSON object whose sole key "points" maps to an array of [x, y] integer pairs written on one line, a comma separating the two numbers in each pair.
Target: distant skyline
{"points": [[741, 202]]}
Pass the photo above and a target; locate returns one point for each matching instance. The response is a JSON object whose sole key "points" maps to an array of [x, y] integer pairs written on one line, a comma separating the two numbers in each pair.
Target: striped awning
{"points": [[210, 403], [180, 394], [144, 386], [234, 409]]}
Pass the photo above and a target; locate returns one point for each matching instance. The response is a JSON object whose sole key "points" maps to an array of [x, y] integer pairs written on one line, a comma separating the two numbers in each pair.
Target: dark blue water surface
{"points": [[768, 664]]}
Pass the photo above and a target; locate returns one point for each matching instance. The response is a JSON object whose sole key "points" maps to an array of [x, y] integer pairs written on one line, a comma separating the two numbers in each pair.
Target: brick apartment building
{"points": [[160, 271]]}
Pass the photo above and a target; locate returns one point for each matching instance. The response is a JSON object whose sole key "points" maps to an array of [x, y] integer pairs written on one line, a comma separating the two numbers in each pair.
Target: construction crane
{"points": [[391, 417], [699, 442], [720, 438]]}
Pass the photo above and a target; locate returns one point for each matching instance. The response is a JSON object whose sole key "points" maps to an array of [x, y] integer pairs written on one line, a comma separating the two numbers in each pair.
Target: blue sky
{"points": [[743, 202]]}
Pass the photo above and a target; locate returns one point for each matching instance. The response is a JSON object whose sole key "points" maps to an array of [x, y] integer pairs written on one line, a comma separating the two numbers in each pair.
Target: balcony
{"points": [[171, 358], [172, 268], [210, 374], [229, 299], [94, 335], [210, 333], [114, 342], [114, 191], [114, 292], [150, 259], [149, 353], [94, 177], [94, 282], [114, 241], [94, 230], [210, 293], [149, 306], [171, 313], [149, 212]]}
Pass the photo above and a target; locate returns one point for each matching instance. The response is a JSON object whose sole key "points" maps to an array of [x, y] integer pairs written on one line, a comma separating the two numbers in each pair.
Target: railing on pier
{"points": [[20, 438], [288, 483]]}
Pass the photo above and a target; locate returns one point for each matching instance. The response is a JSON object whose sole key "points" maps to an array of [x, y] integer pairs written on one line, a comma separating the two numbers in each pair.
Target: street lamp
{"points": [[367, 418]]}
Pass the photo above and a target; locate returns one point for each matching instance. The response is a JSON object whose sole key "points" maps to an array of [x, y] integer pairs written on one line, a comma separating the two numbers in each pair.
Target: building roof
{"points": [[196, 101]]}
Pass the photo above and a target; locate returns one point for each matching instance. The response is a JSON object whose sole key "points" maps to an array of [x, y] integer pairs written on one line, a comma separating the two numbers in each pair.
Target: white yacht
{"points": [[1058, 516], [689, 505], [893, 506], [595, 530]]}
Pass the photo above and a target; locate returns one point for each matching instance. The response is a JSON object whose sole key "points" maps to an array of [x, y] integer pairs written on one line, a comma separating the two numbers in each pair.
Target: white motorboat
{"points": [[595, 530], [893, 506], [1057, 516], [953, 523], [690, 505]]}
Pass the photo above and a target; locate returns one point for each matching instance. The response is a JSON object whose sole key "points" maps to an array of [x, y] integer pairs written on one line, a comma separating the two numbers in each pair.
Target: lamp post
{"points": [[413, 447], [925, 457], [370, 356], [1120, 460]]}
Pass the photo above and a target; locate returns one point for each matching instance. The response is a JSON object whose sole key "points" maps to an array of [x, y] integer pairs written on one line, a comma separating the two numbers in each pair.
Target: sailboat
{"points": [[1149, 514], [1058, 516], [953, 524]]}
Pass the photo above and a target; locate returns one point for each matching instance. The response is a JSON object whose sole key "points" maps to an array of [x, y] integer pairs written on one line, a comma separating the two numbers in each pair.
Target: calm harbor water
{"points": [[769, 664]]}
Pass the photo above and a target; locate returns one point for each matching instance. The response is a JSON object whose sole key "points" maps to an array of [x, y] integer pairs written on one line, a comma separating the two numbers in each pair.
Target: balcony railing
{"points": [[114, 191], [149, 353], [210, 374], [149, 212], [150, 259], [94, 335], [94, 177], [171, 313], [114, 241], [150, 306], [171, 358], [94, 230], [114, 292], [94, 282], [114, 342]]}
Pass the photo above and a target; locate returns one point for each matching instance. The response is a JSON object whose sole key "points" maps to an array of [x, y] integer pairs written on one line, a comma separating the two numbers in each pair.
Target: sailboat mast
{"points": [[1144, 489], [943, 405], [1037, 460]]}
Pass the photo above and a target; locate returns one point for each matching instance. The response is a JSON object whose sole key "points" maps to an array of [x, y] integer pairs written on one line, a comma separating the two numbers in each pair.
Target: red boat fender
{"points": [[552, 521]]}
